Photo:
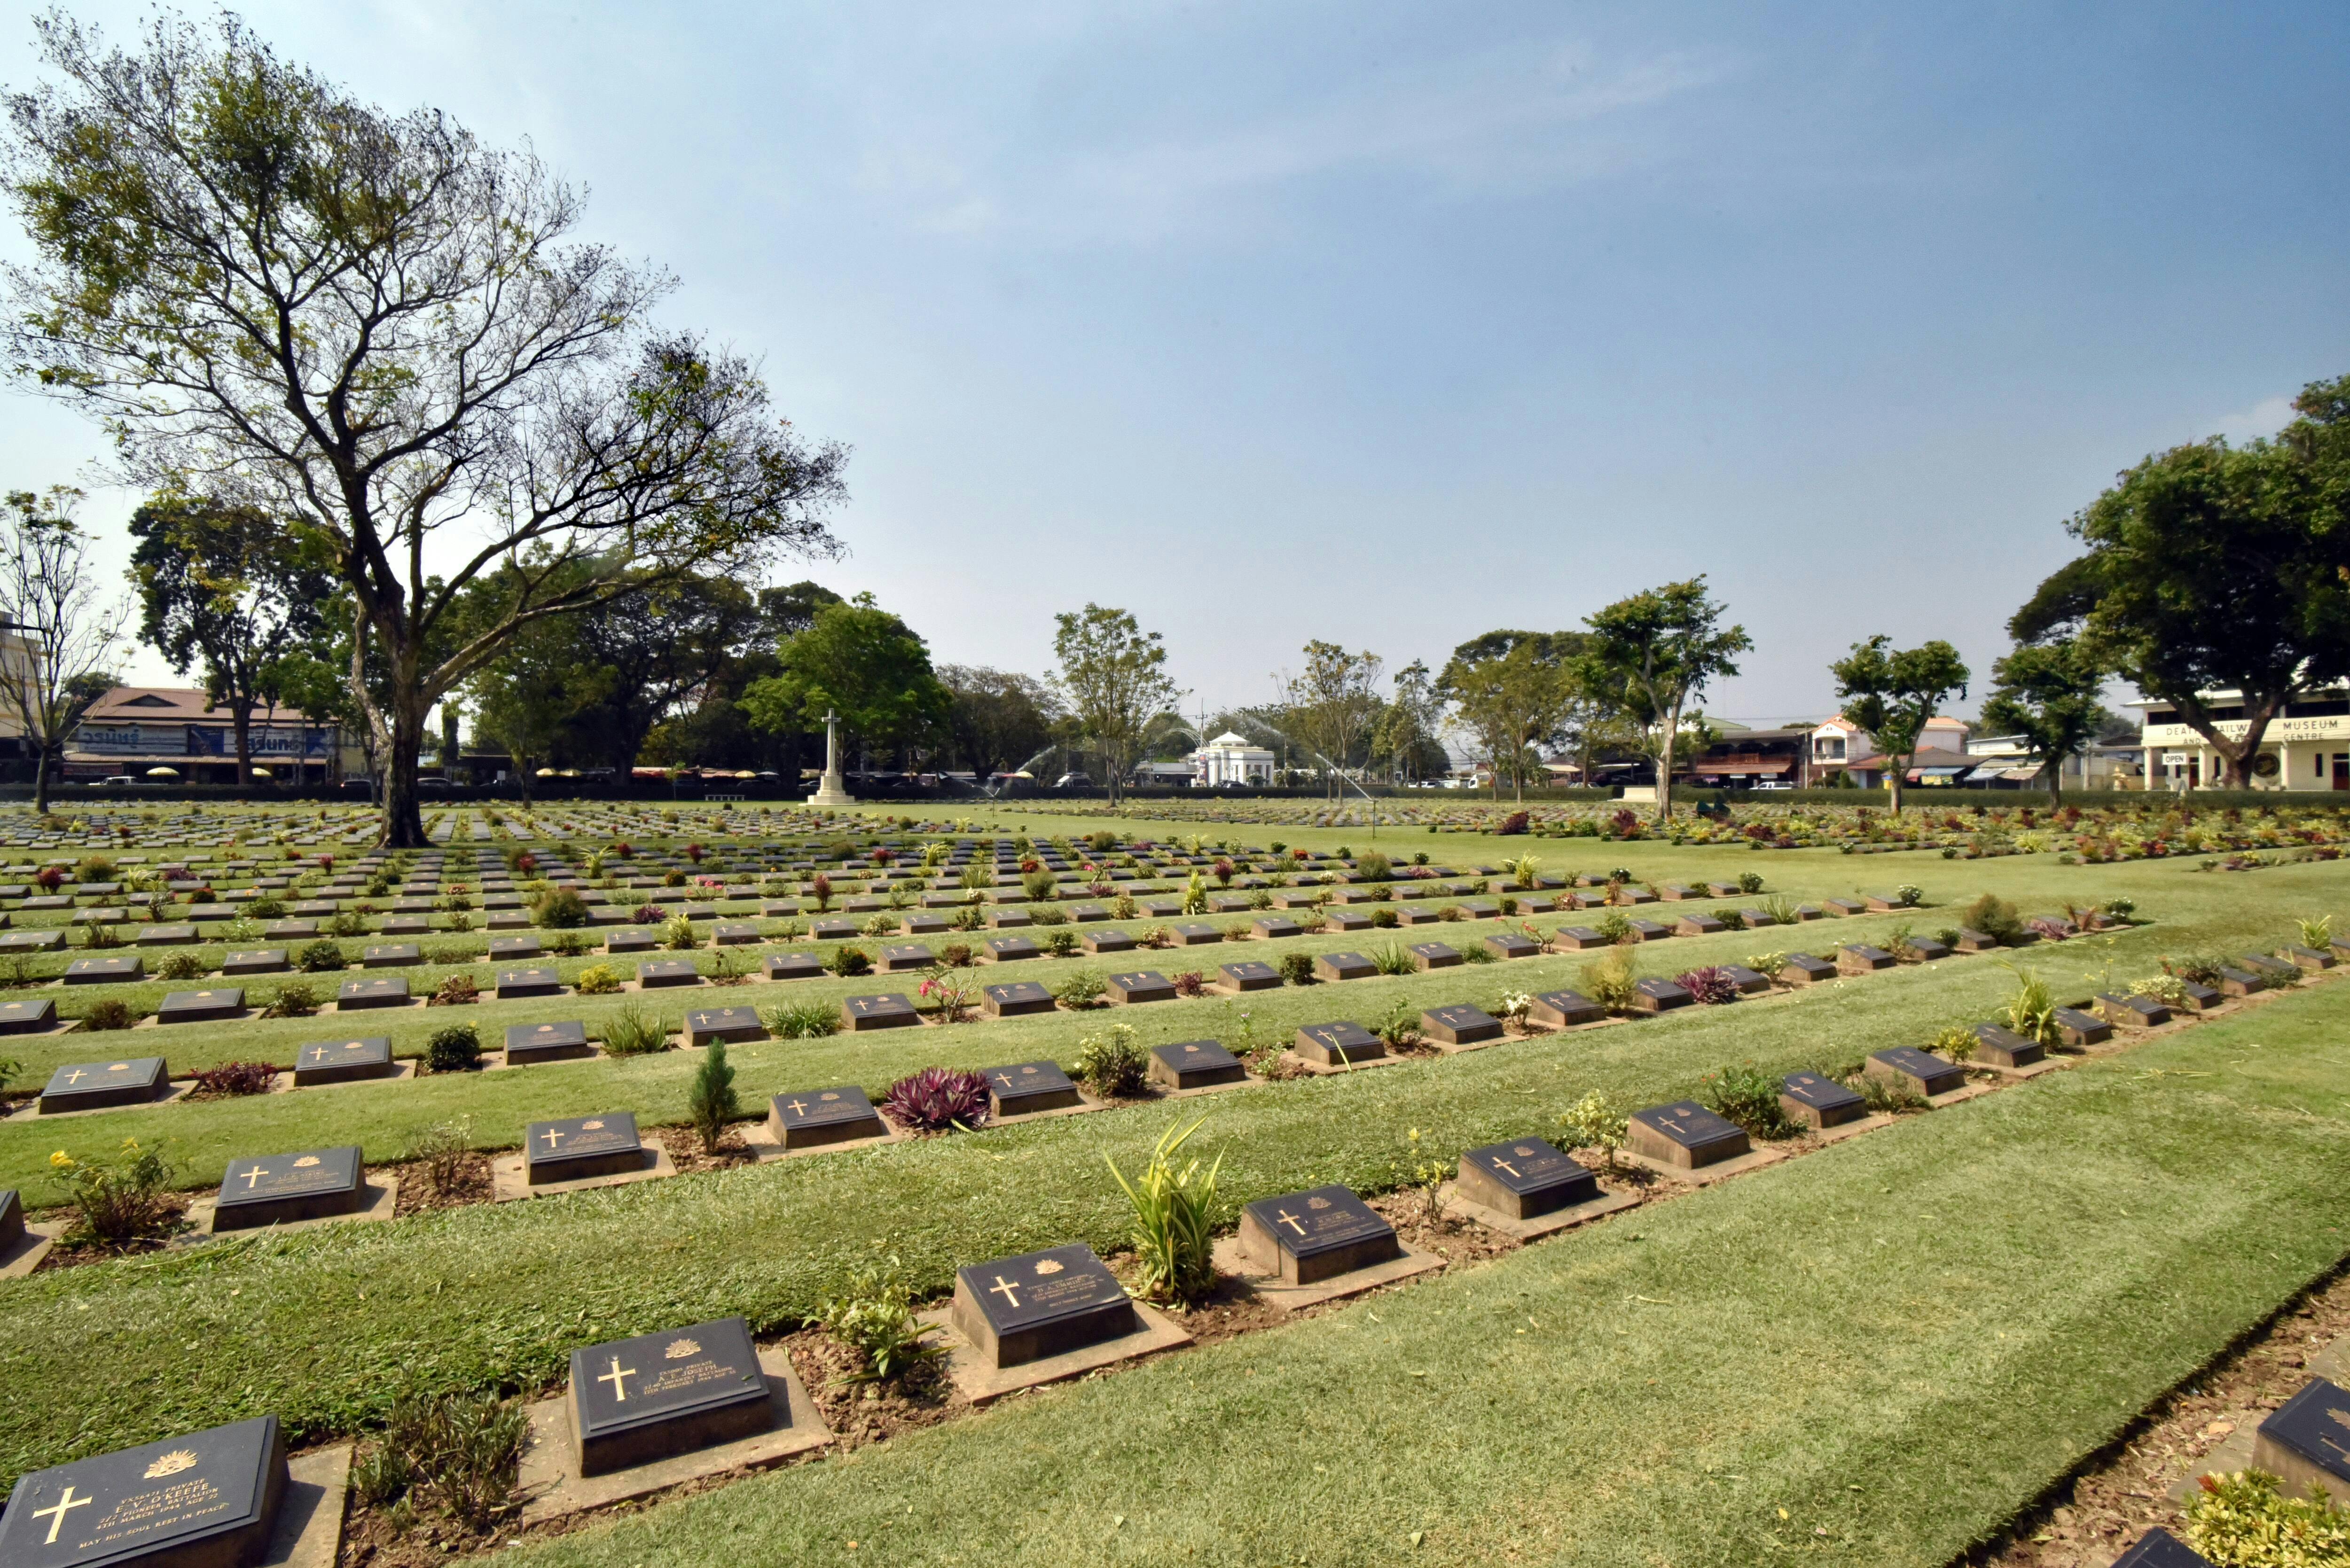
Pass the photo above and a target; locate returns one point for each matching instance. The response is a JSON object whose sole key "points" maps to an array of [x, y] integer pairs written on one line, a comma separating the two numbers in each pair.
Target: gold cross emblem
{"points": [[553, 1136], [1285, 1216], [1500, 1164], [255, 1174], [57, 1513], [798, 1107], [618, 1378], [1003, 1287]]}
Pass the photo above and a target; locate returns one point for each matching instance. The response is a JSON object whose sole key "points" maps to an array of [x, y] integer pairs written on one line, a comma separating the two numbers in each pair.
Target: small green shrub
{"points": [[267, 908], [1595, 1121], [711, 1102], [1995, 917], [320, 956], [804, 1020], [294, 999], [1383, 919], [1750, 1097], [453, 1048], [1390, 958], [1174, 1219], [560, 909], [1061, 944], [455, 1454], [678, 934], [109, 1014], [101, 935], [1297, 968], [2244, 1520], [1112, 1062], [1081, 990], [118, 1198], [635, 1030], [1609, 980], [441, 1150], [348, 923], [596, 980], [179, 966], [848, 962], [1956, 1041], [876, 1318]]}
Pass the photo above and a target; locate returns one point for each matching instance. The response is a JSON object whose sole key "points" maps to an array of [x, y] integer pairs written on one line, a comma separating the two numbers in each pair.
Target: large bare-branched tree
{"points": [[274, 294], [63, 639]]}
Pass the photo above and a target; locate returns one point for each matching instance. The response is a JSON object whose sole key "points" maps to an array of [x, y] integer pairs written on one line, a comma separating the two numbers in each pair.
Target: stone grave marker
{"points": [[207, 1499], [1015, 999], [1839, 907], [1108, 943], [636, 1401], [528, 1044], [1271, 928], [2158, 1548], [1684, 1134], [1565, 1010], [1039, 1304], [383, 991], [1343, 966], [1009, 950], [833, 929], [201, 1006], [342, 1061], [1579, 939], [285, 1188], [2137, 1012], [1525, 1179], [540, 980], [904, 957], [1249, 976], [1512, 945], [1196, 933], [889, 1010], [95, 1086], [816, 1117], [652, 974], [1009, 917], [1697, 925], [2306, 1439], [2076, 1027], [2307, 957], [1025, 1088], [2237, 982], [389, 955], [28, 1017], [2000, 1047], [791, 966], [1920, 1072], [1336, 1044], [105, 970], [1819, 1102], [1755, 919], [1194, 1064], [1748, 982], [1657, 994], [167, 936], [1649, 930], [1460, 1025], [32, 942], [1140, 986], [1425, 956], [255, 960], [514, 948], [1303, 1237], [578, 1148], [1804, 969], [1860, 958]]}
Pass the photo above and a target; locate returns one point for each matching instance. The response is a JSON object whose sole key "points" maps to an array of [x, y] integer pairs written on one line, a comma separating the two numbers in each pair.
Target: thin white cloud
{"points": [[2264, 418]]}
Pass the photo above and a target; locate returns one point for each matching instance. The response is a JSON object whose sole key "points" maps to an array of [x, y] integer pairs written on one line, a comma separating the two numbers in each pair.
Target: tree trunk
{"points": [[404, 823], [1894, 776], [2055, 783], [41, 779], [1665, 763], [240, 711]]}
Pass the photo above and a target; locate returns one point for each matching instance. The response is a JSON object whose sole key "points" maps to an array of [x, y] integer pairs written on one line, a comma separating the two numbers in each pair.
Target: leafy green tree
{"points": [[235, 589], [63, 640], [1512, 690], [1333, 705], [374, 323], [2214, 568], [1891, 693], [530, 696], [1649, 654], [862, 662], [2049, 695], [1115, 679], [998, 721], [1405, 737]]}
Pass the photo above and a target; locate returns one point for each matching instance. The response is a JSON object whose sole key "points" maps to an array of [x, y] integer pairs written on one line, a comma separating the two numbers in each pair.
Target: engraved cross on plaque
{"points": [[1286, 1217], [318, 1052], [617, 1377], [1500, 1164], [255, 1174], [75, 1076], [798, 1107], [57, 1513], [551, 1135], [1003, 1287]]}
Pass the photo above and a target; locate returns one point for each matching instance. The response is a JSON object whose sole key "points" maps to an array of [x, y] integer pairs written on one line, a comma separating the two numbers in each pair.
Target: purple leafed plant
{"points": [[2049, 929], [1711, 985], [936, 1099]]}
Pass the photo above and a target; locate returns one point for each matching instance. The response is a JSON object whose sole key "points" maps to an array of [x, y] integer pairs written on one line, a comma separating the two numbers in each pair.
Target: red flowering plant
{"points": [[694, 852]]}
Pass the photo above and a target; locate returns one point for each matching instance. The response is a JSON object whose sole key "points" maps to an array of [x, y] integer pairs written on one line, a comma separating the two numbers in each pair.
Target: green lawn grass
{"points": [[1876, 1355]]}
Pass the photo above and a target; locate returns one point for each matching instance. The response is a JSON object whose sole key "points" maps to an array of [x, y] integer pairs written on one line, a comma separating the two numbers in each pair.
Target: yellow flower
{"points": [[61, 1159]]}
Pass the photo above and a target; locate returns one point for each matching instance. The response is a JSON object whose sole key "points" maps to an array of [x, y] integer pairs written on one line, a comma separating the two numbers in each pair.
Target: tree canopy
{"points": [[1653, 652], [862, 662], [1891, 693], [1114, 676]]}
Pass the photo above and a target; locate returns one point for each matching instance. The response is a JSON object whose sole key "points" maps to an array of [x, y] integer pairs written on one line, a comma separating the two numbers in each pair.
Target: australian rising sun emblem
{"points": [[679, 1349], [171, 1464]]}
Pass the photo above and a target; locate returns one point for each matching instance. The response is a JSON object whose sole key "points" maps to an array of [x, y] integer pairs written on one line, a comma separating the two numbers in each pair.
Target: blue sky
{"points": [[1388, 325]]}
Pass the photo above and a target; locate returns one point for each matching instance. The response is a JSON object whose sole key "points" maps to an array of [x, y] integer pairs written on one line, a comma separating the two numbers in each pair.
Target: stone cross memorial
{"points": [[1018, 1310], [1684, 1134], [579, 1148], [1194, 1064], [281, 1188], [208, 1499], [1025, 1088], [819, 1116], [1525, 1179], [93, 1085], [1307, 1237], [636, 1401]]}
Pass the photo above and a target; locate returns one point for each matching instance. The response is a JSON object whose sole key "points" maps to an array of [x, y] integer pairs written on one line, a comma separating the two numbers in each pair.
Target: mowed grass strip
{"points": [[321, 1327], [204, 1137], [1898, 1342]]}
